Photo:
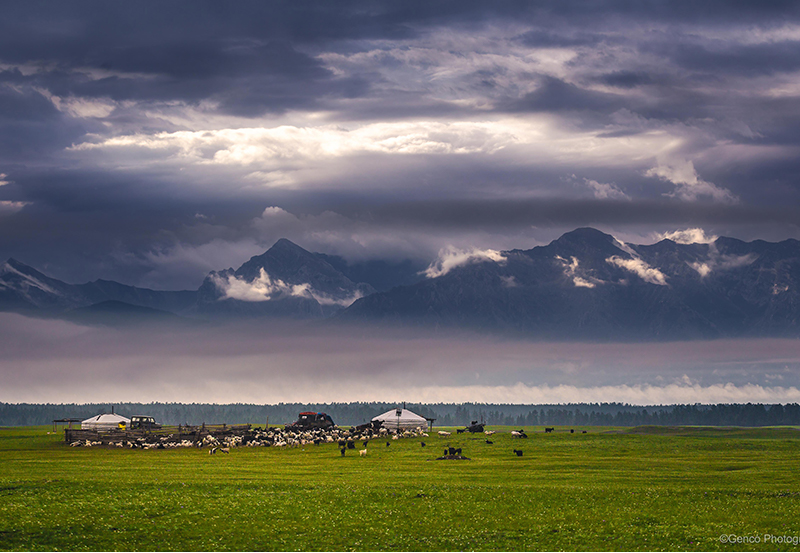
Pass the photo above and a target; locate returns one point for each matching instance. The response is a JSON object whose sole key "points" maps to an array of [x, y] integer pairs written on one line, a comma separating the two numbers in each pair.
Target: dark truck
{"points": [[143, 422], [474, 426], [310, 421]]}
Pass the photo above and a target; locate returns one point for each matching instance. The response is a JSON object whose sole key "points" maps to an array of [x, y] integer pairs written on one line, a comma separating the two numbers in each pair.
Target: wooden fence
{"points": [[171, 433]]}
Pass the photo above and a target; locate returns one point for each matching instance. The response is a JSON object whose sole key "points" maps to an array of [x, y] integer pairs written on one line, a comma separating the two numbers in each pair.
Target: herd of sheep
{"points": [[257, 437], [278, 437]]}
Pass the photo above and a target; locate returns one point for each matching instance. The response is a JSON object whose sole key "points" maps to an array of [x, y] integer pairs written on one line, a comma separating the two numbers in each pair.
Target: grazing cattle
{"points": [[489, 442], [571, 431], [458, 451], [366, 442], [388, 444], [518, 434], [446, 453], [342, 443], [488, 432], [460, 431], [583, 432], [343, 450], [422, 444], [212, 451], [225, 450], [351, 445], [518, 452], [548, 430], [451, 450]]}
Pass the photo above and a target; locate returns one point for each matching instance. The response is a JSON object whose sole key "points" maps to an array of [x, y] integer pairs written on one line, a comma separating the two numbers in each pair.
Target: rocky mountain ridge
{"points": [[584, 285]]}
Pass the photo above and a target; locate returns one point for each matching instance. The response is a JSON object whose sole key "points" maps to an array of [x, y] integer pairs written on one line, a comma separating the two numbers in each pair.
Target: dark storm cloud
{"points": [[258, 58], [494, 214], [243, 58], [548, 39], [30, 126], [626, 79], [555, 95], [744, 60], [80, 225], [244, 80]]}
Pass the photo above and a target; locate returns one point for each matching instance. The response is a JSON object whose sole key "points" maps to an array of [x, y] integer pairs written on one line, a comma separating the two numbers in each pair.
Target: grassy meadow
{"points": [[609, 489]]}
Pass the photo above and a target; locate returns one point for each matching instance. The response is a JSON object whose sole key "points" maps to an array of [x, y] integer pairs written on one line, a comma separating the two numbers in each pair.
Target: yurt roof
{"points": [[107, 418], [405, 415]]}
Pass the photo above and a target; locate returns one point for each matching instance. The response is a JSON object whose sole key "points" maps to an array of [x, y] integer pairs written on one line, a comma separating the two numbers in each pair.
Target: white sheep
{"points": [[443, 433], [362, 452]]}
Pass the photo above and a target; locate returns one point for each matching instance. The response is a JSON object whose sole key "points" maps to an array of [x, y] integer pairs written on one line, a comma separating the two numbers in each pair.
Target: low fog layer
{"points": [[56, 361]]}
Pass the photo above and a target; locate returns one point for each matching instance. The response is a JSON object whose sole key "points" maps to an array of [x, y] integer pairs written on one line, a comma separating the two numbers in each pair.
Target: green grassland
{"points": [[646, 488]]}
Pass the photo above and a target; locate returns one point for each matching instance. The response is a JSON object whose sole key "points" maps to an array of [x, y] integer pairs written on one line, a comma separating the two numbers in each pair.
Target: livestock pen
{"points": [[164, 434]]}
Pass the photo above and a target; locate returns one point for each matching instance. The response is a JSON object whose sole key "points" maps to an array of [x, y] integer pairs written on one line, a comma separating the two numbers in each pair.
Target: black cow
{"points": [[518, 452], [548, 430]]}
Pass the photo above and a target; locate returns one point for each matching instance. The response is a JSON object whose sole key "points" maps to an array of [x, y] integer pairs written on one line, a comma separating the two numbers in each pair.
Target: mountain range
{"points": [[584, 285]]}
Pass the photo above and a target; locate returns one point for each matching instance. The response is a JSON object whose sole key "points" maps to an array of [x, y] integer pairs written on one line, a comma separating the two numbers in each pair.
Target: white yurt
{"points": [[104, 421], [402, 419]]}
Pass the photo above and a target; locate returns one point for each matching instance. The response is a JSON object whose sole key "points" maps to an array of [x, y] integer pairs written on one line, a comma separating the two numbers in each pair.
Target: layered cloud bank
{"points": [[633, 395], [270, 363]]}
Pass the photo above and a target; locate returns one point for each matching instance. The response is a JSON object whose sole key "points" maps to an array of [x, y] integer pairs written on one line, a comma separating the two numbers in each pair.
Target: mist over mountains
{"points": [[584, 285]]}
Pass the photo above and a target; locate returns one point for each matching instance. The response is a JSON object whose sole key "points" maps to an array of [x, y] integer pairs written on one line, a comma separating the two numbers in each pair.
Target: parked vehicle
{"points": [[143, 422], [475, 426], [310, 420]]}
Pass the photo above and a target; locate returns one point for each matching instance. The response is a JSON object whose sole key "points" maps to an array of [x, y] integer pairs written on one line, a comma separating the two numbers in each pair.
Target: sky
{"points": [[152, 142]]}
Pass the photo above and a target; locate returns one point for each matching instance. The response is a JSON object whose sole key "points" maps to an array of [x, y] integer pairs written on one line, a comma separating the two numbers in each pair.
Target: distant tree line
{"points": [[446, 414]]}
